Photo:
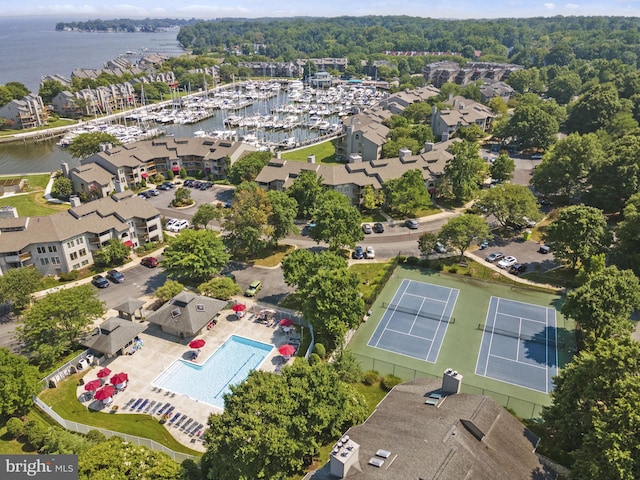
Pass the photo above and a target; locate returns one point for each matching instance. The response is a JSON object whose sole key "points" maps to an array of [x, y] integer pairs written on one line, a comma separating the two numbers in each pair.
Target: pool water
{"points": [[229, 365]]}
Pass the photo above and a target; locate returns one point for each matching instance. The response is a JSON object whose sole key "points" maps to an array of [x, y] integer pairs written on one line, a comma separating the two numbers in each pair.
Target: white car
{"points": [[507, 262], [369, 253], [178, 226]]}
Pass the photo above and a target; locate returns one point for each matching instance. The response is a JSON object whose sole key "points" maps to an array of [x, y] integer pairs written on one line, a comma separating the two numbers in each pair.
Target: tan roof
{"points": [[112, 335], [464, 112], [93, 173]]}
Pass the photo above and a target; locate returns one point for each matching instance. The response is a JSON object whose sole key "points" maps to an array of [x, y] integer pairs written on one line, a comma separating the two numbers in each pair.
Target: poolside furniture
{"points": [[174, 418], [164, 407], [194, 428], [180, 420], [136, 403], [150, 406], [186, 424], [171, 409], [143, 404], [155, 409]]}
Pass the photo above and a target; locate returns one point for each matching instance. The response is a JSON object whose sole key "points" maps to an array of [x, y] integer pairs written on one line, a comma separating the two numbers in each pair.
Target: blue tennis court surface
{"points": [[415, 322], [519, 344]]}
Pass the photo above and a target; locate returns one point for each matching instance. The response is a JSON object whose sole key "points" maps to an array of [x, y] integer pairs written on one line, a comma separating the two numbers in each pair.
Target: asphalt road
{"points": [[139, 281]]}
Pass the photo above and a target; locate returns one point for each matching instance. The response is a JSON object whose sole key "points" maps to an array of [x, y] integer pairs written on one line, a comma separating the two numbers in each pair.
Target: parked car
{"points": [[164, 187], [411, 223], [253, 288], [507, 262], [366, 228], [150, 262], [358, 253], [115, 276], [518, 268], [178, 226], [440, 248], [99, 281], [544, 249], [169, 185], [144, 195], [370, 253], [378, 227], [154, 192], [170, 221], [492, 257]]}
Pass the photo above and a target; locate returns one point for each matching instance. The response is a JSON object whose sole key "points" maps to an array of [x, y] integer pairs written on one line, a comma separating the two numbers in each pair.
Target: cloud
{"points": [[549, 6], [572, 6]]}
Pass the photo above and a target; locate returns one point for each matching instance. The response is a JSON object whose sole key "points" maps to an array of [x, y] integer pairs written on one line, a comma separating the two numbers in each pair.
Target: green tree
{"points": [[426, 242], [563, 88], [470, 133], [20, 383], [532, 127], [170, 175], [168, 290], [261, 421], [182, 197], [247, 168], [62, 187], [565, 170], [603, 305], [183, 173], [283, 213], [578, 233], [53, 325], [502, 168], [222, 288], [372, 199], [626, 250], [205, 214], [306, 188], [50, 89], [419, 112], [246, 226], [407, 194], [593, 415], [118, 459], [113, 254], [15, 427], [300, 265], [195, 255], [337, 222], [86, 144], [594, 109], [463, 230], [510, 204], [347, 366], [18, 284], [18, 90], [464, 173]]}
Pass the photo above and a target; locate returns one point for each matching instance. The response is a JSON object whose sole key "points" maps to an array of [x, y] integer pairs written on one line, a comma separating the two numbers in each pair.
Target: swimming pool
{"points": [[228, 365]]}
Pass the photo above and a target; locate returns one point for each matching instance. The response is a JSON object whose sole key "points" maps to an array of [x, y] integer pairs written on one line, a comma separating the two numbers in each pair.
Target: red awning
{"points": [[144, 175], [128, 243], [175, 168]]}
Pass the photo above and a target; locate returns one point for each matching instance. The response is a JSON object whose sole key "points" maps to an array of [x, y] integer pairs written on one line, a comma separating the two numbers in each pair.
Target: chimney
{"points": [[343, 456], [451, 381], [64, 166], [428, 146], [311, 158], [75, 201], [105, 147], [355, 158], [404, 152]]}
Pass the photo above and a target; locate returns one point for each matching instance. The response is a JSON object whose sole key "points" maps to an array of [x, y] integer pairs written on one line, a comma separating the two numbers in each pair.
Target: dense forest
{"points": [[125, 25], [519, 40]]}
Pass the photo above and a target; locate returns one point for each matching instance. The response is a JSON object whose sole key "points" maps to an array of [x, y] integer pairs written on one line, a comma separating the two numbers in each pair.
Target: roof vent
{"points": [[175, 313], [383, 453], [200, 307], [376, 462], [473, 429]]}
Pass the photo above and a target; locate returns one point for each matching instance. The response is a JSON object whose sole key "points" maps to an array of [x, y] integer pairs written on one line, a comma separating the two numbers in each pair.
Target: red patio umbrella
{"points": [[239, 307], [104, 393], [286, 322], [197, 343], [105, 372], [286, 350], [92, 385], [119, 378]]}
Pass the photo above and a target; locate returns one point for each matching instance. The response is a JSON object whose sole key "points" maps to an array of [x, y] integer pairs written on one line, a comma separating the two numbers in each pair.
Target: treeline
{"points": [[525, 41], [125, 24]]}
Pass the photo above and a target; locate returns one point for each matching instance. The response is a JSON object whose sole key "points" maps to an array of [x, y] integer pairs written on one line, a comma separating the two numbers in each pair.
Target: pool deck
{"points": [[160, 350]]}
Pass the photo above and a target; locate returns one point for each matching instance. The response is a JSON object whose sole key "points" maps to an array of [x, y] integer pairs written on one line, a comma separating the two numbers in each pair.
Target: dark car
{"points": [[164, 187], [518, 268], [366, 228], [99, 281], [150, 262], [411, 223], [358, 253], [115, 276], [378, 227]]}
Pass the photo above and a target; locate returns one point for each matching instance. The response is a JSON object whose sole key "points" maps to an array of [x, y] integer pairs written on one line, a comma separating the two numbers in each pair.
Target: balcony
{"points": [[24, 257]]}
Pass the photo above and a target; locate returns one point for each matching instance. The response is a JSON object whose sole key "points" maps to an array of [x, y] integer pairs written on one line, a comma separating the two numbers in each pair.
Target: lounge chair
{"points": [[186, 424], [164, 407], [194, 428], [174, 418], [180, 420], [150, 406], [171, 409], [143, 404], [155, 409], [136, 403]]}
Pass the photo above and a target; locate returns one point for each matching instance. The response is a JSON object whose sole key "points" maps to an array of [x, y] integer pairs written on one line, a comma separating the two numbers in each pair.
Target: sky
{"points": [[203, 9]]}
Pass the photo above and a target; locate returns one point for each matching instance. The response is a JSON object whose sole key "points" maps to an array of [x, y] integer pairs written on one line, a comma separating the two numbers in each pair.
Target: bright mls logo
{"points": [[39, 467]]}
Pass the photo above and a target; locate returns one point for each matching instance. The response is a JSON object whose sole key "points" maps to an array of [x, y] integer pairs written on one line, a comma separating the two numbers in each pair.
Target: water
{"points": [[229, 365]]}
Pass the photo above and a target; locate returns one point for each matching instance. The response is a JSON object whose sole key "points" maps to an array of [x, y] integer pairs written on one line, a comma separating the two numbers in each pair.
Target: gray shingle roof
{"points": [[112, 335], [182, 312]]}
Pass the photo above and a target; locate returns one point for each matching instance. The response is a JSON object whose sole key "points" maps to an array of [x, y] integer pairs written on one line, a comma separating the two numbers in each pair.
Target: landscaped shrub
{"points": [[68, 277], [36, 434], [314, 358], [15, 427], [390, 381], [453, 269], [348, 367], [96, 436], [320, 350], [370, 377], [412, 260], [425, 263], [402, 259]]}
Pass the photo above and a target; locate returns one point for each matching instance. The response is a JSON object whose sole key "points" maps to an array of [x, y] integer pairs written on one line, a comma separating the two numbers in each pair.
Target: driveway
{"points": [[219, 193], [525, 251], [273, 287]]}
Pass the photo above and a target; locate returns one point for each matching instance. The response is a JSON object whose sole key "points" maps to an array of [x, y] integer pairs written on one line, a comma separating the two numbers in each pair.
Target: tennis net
{"points": [[418, 313], [538, 338]]}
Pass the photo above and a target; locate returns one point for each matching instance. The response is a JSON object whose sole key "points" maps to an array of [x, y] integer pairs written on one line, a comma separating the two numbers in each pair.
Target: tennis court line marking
{"points": [[429, 298], [407, 282], [523, 303], [486, 366], [515, 384], [517, 361], [408, 334], [440, 323], [522, 318]]}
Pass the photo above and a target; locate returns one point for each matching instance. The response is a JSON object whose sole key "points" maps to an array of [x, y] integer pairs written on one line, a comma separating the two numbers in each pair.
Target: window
{"points": [[175, 312], [85, 262], [70, 244], [74, 255], [44, 261], [79, 241], [41, 249], [76, 266], [55, 260], [53, 249], [82, 252]]}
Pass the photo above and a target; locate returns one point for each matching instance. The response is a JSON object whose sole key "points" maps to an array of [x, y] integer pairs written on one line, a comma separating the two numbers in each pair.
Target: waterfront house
{"points": [[67, 240], [397, 102], [27, 112], [363, 134], [273, 69], [460, 112], [439, 73]]}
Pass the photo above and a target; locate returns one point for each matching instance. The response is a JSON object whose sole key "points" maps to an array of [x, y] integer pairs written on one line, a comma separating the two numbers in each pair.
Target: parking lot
{"points": [[216, 194], [526, 252]]}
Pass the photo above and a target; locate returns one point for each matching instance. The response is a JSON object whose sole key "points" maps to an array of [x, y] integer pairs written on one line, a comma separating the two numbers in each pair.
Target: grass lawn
{"points": [[11, 446], [57, 123], [559, 277], [325, 152], [423, 212], [370, 276], [65, 403], [36, 182], [33, 205], [372, 217], [271, 257]]}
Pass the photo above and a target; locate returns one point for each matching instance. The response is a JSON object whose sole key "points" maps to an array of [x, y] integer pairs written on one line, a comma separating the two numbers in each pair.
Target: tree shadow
{"points": [[542, 346]]}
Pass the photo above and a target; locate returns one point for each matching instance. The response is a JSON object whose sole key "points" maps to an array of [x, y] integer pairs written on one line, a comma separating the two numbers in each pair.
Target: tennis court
{"points": [[415, 322], [519, 344]]}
